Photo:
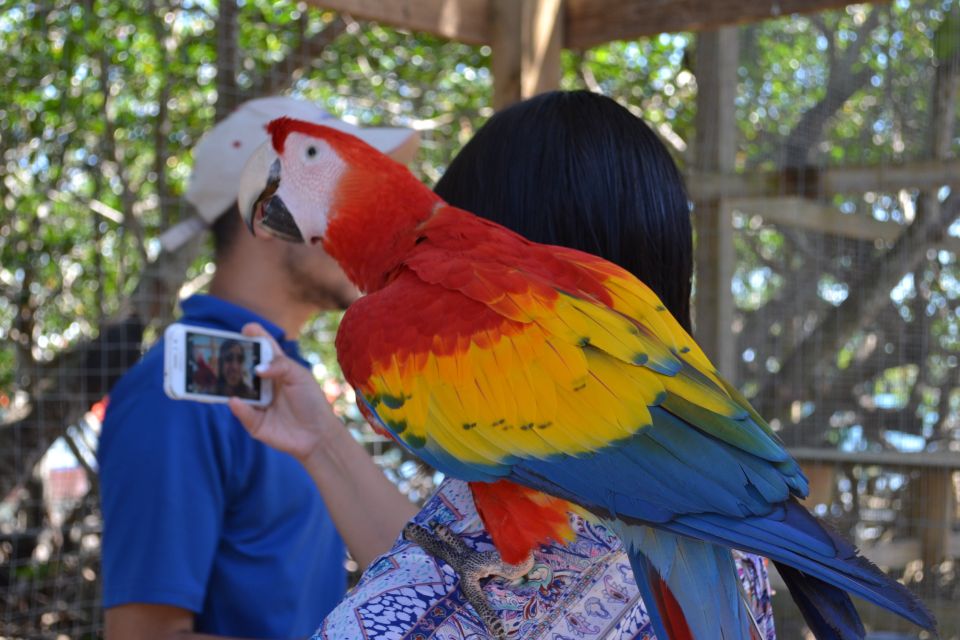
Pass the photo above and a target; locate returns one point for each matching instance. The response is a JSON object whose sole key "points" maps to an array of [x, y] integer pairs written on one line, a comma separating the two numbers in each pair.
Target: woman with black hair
{"points": [[574, 169]]}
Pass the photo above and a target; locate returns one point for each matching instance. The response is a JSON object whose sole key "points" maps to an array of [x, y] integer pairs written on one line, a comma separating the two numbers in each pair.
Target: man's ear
{"points": [[226, 230]]}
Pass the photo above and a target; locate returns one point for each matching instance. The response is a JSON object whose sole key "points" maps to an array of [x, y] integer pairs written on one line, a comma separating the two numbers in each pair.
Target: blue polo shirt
{"points": [[199, 515]]}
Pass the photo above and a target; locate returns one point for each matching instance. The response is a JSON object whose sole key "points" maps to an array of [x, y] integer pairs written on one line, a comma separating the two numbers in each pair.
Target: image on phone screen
{"points": [[222, 366]]}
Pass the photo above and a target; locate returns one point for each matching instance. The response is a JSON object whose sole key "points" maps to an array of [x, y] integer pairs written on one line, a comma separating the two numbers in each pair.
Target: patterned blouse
{"points": [[583, 591]]}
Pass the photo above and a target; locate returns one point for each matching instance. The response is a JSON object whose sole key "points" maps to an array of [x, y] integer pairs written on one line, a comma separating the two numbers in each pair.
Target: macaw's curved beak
{"points": [[259, 204]]}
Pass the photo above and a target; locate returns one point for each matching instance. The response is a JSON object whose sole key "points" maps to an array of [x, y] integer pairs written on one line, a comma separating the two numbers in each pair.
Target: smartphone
{"points": [[209, 365]]}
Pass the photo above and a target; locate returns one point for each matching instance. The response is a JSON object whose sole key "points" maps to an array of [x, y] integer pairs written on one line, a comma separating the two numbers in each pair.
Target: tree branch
{"points": [[161, 126], [228, 59], [842, 84]]}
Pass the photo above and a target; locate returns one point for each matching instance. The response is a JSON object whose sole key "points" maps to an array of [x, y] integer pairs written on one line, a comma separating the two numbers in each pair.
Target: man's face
{"points": [[315, 277]]}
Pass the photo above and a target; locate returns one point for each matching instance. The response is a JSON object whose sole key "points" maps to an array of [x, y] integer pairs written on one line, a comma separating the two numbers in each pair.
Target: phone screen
{"points": [[220, 366]]}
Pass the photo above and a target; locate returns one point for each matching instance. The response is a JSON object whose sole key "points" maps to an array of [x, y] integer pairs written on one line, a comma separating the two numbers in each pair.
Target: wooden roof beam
{"points": [[465, 21], [801, 213], [592, 22], [817, 181], [586, 23]]}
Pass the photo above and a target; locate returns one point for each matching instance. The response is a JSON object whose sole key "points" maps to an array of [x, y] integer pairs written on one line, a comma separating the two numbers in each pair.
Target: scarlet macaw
{"points": [[554, 380]]}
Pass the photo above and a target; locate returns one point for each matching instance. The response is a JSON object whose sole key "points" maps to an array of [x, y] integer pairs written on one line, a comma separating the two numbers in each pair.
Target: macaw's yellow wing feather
{"points": [[641, 303]]}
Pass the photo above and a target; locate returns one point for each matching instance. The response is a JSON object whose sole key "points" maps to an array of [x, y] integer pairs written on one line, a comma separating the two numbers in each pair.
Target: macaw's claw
{"points": [[471, 566]]}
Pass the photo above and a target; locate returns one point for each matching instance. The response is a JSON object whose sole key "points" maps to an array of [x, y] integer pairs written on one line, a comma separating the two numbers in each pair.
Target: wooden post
{"points": [[527, 37], [821, 476], [931, 508], [717, 57]]}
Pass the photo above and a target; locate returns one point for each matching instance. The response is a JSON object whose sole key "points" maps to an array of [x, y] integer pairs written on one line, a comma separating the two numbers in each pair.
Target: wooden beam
{"points": [[461, 20], [586, 23], [810, 215], [892, 459], [927, 174], [715, 149], [527, 35], [593, 22], [801, 213]]}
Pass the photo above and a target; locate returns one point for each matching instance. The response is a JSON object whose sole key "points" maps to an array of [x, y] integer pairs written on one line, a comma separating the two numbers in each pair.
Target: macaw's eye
{"points": [[311, 151]]}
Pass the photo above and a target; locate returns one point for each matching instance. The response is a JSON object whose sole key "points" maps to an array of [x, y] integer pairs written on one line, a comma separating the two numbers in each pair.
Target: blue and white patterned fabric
{"points": [[583, 591]]}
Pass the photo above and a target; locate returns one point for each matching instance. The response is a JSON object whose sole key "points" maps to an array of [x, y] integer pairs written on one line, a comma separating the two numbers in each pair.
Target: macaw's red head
{"points": [[318, 185]]}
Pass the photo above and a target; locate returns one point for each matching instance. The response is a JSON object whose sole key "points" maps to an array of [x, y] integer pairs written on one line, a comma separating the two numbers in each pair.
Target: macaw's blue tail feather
{"points": [[792, 536], [828, 610], [700, 576], [646, 577]]}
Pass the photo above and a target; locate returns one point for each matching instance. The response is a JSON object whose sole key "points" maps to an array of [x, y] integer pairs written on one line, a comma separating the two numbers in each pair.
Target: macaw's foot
{"points": [[471, 566]]}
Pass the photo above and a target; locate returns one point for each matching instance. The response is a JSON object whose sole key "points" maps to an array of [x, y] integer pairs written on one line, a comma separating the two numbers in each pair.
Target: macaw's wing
{"points": [[563, 373]]}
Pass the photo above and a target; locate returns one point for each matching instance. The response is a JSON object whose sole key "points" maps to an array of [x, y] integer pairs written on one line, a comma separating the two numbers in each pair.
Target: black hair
{"points": [[577, 169], [225, 230]]}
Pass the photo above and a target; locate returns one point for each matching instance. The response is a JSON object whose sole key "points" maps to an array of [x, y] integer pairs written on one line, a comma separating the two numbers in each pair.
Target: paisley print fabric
{"points": [[583, 591]]}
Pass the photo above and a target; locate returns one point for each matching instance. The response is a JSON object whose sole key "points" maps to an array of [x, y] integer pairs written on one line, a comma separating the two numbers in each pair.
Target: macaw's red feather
{"points": [[372, 420], [282, 127], [670, 611], [420, 320], [519, 519]]}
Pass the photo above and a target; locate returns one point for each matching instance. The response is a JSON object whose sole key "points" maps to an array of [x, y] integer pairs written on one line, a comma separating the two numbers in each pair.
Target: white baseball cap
{"points": [[219, 156]]}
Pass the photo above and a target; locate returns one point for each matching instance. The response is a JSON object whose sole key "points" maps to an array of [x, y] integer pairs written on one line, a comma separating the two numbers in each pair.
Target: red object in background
{"points": [[68, 484], [204, 377], [99, 408]]}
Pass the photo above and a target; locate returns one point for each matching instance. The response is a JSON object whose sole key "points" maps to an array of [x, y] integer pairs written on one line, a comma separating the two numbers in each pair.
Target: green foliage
{"points": [[652, 77], [102, 103], [946, 40], [376, 75], [91, 171]]}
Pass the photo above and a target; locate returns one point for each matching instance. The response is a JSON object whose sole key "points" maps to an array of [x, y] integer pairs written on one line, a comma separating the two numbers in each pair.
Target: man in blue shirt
{"points": [[206, 530]]}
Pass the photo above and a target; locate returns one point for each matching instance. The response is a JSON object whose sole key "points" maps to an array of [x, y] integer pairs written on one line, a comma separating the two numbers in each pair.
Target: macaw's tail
{"points": [[828, 611], [690, 588], [817, 565]]}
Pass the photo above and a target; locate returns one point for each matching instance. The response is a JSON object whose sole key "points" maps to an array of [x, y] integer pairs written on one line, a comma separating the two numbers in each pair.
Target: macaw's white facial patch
{"points": [[310, 171]]}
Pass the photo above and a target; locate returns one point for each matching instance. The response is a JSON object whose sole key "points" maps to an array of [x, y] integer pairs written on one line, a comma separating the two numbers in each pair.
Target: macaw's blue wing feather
{"points": [[665, 470], [701, 576]]}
